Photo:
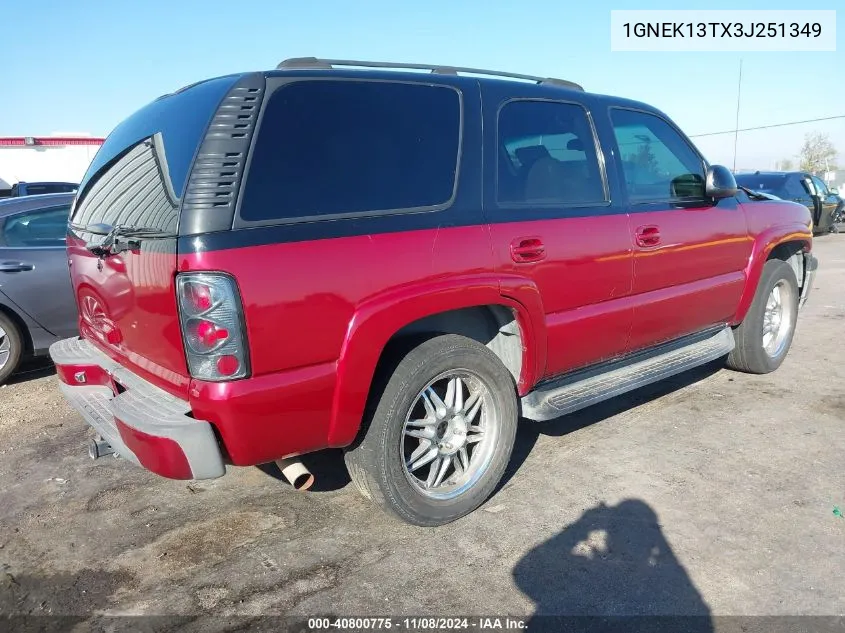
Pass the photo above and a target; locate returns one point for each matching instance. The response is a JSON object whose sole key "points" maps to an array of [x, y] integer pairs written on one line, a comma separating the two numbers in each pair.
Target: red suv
{"points": [[334, 254]]}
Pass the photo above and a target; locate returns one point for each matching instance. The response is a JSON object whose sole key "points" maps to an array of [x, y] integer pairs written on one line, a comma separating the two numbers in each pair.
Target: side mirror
{"points": [[719, 183], [834, 190]]}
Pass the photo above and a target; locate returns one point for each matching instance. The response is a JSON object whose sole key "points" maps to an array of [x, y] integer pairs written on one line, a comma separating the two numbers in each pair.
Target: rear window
{"points": [[135, 191], [33, 190], [768, 183], [177, 121], [332, 148]]}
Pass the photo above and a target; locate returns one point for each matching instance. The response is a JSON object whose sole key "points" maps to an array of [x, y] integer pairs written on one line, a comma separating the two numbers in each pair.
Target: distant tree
{"points": [[644, 158], [817, 154], [786, 165]]}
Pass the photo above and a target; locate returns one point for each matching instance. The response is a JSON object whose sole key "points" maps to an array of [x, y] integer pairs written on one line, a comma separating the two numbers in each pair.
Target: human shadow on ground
{"points": [[611, 570]]}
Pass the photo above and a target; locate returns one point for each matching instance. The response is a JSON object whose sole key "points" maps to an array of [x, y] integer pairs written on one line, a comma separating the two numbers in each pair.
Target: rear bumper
{"points": [[143, 423], [811, 265]]}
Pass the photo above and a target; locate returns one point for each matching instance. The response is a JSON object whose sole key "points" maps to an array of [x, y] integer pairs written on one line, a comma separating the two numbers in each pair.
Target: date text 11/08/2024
{"points": [[418, 624]]}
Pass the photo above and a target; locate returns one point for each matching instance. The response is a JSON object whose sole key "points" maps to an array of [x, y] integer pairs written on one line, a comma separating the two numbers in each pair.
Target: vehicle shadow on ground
{"points": [[610, 565], [330, 471], [31, 370], [528, 431], [327, 466]]}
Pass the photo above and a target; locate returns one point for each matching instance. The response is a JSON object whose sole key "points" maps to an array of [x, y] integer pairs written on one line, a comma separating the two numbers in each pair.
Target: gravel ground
{"points": [[713, 494]]}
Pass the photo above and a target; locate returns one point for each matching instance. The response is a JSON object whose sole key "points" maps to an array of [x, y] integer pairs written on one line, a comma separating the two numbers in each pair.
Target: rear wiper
{"points": [[125, 230], [112, 244]]}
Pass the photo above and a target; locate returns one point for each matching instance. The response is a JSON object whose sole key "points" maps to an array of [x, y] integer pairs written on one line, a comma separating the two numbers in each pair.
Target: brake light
{"points": [[210, 315], [228, 365], [204, 336]]}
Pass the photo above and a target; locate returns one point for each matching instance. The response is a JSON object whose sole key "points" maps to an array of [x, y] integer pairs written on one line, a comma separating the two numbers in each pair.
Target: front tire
{"points": [[11, 347], [765, 335], [440, 435]]}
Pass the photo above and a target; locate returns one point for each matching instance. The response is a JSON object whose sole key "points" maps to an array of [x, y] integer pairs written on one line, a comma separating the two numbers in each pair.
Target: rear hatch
{"points": [[123, 234]]}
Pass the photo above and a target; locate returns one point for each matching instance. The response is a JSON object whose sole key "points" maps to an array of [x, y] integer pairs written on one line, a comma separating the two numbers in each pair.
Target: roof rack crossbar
{"points": [[328, 64]]}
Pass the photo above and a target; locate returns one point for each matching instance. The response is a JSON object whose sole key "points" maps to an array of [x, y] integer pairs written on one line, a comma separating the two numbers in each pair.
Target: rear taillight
{"points": [[212, 327]]}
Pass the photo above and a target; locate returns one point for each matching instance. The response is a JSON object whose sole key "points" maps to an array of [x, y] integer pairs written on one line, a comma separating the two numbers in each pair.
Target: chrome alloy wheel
{"points": [[449, 435], [5, 348], [777, 319]]}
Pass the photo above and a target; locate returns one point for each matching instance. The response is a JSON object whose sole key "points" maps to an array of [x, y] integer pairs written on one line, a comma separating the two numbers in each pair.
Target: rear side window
{"points": [[332, 148], [547, 155], [657, 162], [39, 227]]}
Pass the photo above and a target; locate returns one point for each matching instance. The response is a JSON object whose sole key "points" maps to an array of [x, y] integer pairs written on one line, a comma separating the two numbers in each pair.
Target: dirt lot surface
{"points": [[715, 494]]}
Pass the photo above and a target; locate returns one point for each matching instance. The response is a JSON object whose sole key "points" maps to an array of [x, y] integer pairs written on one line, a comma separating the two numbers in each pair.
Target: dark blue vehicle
{"points": [[801, 187]]}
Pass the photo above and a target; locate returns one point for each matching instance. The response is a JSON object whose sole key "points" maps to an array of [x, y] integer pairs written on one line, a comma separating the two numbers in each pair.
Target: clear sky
{"points": [[83, 66]]}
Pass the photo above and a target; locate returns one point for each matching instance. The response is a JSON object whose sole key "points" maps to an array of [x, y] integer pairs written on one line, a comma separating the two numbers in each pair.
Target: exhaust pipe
{"points": [[296, 473], [99, 448]]}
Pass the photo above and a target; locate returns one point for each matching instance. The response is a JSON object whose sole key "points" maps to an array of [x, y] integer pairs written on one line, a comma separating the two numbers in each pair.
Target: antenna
{"points": [[736, 126]]}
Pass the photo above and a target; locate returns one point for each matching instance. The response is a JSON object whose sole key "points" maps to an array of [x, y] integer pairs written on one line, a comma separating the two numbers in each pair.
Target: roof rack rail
{"points": [[312, 63]]}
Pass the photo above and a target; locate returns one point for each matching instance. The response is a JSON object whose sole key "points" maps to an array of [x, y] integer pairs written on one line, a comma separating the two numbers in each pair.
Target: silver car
{"points": [[37, 306]]}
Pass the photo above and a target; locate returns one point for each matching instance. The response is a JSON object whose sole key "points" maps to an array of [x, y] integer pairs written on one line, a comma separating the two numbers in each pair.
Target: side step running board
{"points": [[584, 388]]}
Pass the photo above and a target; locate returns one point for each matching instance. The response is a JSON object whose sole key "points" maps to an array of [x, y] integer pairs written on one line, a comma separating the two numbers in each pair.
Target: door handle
{"points": [[15, 267], [648, 236], [528, 249]]}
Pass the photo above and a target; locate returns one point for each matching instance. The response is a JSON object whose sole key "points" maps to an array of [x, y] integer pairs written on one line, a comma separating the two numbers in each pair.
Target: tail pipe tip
{"points": [[296, 473], [99, 448]]}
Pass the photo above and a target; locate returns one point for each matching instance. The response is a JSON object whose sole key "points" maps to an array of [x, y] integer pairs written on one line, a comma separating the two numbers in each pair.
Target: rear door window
{"points": [[658, 164], [547, 155], [336, 148]]}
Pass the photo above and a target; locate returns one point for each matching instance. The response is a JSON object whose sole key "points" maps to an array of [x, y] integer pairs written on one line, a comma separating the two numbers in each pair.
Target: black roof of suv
{"points": [[230, 102]]}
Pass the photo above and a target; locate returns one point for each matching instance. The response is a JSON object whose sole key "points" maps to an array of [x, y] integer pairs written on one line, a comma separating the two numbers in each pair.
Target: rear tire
{"points": [[11, 347], [439, 436], [765, 335]]}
